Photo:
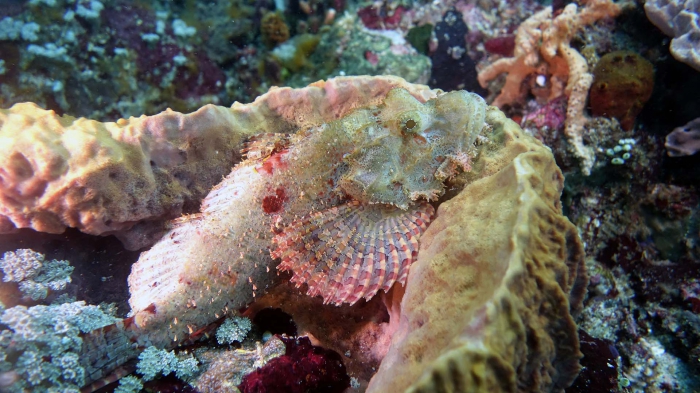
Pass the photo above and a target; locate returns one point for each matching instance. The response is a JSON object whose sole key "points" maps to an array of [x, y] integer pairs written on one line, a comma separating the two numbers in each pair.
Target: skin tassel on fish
{"points": [[342, 205]]}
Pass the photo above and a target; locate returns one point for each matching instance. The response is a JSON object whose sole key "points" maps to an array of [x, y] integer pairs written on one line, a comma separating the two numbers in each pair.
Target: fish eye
{"points": [[410, 122]]}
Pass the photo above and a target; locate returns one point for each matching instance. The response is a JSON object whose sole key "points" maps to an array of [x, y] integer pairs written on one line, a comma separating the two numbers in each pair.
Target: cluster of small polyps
{"points": [[621, 152], [41, 346], [233, 329], [35, 276]]}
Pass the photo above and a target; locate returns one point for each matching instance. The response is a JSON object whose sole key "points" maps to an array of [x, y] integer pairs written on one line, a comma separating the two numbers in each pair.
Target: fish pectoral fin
{"points": [[351, 251]]}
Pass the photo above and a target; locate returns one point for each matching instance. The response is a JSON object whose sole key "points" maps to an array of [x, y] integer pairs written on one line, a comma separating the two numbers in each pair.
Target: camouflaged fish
{"points": [[341, 206]]}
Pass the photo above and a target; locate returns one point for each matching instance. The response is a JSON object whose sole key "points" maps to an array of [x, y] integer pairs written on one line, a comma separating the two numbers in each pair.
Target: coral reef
{"points": [[685, 140], [622, 83], [336, 147], [679, 19], [636, 207], [542, 46], [498, 264]]}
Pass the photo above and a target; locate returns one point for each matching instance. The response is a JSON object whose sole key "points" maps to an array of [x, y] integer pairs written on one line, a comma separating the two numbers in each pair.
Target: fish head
{"points": [[404, 149]]}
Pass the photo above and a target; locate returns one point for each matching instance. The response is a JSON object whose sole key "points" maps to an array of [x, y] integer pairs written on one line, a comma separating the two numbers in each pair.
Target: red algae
{"points": [[303, 368]]}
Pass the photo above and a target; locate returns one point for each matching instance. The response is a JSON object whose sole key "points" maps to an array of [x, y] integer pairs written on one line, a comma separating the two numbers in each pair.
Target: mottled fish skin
{"points": [[218, 260]]}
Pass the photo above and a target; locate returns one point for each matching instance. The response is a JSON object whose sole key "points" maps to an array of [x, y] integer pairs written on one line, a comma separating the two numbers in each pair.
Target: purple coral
{"points": [[684, 141]]}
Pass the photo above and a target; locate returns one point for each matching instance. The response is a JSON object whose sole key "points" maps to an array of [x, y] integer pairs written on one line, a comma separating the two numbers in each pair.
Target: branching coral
{"points": [[542, 45]]}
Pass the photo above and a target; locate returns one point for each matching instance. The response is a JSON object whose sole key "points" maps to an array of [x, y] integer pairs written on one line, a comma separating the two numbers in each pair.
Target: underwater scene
{"points": [[266, 196]]}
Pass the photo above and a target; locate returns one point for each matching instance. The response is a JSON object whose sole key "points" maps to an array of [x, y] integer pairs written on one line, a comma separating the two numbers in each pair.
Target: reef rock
{"points": [[488, 303]]}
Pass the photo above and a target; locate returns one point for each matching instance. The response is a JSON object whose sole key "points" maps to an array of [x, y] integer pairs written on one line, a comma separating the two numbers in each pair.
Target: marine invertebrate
{"points": [[679, 19], [33, 274], [154, 362], [542, 45], [622, 84], [129, 384], [233, 329], [41, 346], [122, 178]]}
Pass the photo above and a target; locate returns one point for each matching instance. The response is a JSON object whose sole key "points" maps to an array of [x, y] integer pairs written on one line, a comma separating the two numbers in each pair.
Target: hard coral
{"points": [[303, 368], [622, 83], [542, 45]]}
